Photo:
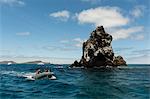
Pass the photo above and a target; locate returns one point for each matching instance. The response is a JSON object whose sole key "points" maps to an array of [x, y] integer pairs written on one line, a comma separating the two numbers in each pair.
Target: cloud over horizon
{"points": [[142, 59], [124, 33]]}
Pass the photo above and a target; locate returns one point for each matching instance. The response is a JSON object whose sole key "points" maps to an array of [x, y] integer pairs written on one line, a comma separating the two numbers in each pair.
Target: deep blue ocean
{"points": [[132, 82]]}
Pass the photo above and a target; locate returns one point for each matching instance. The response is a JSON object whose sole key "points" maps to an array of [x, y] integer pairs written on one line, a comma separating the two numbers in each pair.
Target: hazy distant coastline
{"points": [[29, 62]]}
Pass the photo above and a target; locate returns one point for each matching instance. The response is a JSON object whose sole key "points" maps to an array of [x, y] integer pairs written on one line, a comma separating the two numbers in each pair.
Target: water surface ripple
{"points": [[132, 82]]}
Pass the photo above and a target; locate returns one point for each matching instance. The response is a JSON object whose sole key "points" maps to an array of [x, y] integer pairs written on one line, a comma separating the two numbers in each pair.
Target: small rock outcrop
{"points": [[97, 51], [118, 61]]}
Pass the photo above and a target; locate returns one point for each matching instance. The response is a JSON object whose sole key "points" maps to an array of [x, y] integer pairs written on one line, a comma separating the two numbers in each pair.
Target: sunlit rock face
{"points": [[97, 51]]}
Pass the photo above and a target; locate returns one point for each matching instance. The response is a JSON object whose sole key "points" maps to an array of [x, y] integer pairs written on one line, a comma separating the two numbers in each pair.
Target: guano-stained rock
{"points": [[97, 51]]}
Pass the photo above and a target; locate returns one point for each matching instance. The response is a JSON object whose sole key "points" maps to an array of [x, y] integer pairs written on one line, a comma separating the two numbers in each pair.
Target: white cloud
{"points": [[85, 0], [74, 43], [138, 37], [78, 42], [137, 11], [12, 2], [134, 55], [62, 48], [106, 16], [62, 15], [122, 49], [78, 45], [126, 33], [91, 1], [64, 41], [23, 33]]}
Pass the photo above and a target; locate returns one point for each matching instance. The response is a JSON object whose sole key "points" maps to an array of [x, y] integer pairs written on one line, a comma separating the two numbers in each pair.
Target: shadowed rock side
{"points": [[97, 51]]}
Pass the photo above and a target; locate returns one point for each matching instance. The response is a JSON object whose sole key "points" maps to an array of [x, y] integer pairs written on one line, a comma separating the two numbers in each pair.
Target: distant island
{"points": [[36, 62], [30, 62], [8, 62]]}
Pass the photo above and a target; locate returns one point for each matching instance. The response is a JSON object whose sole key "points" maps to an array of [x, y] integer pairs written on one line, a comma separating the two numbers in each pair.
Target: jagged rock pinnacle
{"points": [[97, 51]]}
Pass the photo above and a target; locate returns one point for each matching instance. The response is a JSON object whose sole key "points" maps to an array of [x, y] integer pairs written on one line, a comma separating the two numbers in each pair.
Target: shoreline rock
{"points": [[97, 51]]}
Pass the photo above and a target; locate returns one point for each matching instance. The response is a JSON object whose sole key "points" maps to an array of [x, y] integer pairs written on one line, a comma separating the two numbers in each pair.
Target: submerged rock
{"points": [[97, 51]]}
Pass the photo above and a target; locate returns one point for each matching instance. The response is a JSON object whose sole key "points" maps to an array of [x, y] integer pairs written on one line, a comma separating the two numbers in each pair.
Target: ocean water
{"points": [[132, 82]]}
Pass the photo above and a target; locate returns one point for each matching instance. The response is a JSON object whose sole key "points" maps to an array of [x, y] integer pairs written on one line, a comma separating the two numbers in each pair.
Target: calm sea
{"points": [[132, 82]]}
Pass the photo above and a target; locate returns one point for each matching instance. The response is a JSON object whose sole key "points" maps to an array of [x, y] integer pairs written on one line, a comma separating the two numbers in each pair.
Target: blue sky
{"points": [[53, 30]]}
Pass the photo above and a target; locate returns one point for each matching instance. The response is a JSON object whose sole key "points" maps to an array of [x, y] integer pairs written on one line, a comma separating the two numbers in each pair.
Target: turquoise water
{"points": [[132, 82]]}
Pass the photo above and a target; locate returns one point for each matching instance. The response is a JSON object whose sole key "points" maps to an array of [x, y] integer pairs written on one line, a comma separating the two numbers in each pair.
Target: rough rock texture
{"points": [[97, 51], [118, 61]]}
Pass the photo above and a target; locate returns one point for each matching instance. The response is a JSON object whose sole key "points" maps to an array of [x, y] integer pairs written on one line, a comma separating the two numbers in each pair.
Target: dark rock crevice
{"points": [[97, 51]]}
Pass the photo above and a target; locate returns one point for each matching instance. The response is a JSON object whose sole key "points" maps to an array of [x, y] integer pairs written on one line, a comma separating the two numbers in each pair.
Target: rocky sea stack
{"points": [[98, 52]]}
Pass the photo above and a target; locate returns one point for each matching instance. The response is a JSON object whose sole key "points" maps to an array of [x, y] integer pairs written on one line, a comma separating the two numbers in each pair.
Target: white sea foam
{"points": [[27, 75]]}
